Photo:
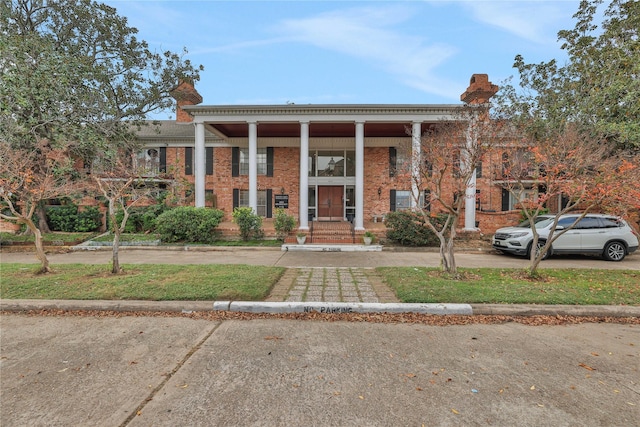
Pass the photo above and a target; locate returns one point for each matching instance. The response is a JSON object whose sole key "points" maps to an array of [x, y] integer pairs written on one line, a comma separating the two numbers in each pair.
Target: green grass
{"points": [[512, 286], [47, 237], [139, 282], [128, 237], [253, 283]]}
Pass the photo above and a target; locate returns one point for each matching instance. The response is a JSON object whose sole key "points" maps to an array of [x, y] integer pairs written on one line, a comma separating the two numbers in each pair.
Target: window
{"points": [[589, 222], [261, 160], [263, 208], [332, 163], [527, 194], [400, 160], [240, 161], [403, 200]]}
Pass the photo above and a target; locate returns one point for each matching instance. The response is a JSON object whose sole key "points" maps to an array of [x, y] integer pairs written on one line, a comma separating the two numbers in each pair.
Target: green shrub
{"points": [[283, 223], [189, 224], [409, 229], [250, 224], [88, 219], [68, 219], [142, 219]]}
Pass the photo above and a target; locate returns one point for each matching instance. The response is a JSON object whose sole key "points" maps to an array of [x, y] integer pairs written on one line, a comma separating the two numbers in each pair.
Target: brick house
{"points": [[318, 162]]}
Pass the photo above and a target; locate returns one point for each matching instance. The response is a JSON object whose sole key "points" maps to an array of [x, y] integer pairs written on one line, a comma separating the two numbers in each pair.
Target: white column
{"points": [[359, 219], [199, 165], [470, 191], [416, 156], [303, 191], [253, 166]]}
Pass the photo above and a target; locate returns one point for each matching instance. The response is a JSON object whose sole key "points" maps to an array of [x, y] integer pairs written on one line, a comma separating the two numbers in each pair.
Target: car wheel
{"points": [[540, 245], [614, 251]]}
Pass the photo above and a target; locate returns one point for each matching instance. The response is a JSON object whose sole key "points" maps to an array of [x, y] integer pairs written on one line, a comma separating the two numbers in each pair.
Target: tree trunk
{"points": [[40, 254], [43, 226], [115, 261]]}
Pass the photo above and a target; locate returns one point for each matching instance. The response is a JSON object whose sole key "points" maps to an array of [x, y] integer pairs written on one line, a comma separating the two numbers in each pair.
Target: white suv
{"points": [[605, 235]]}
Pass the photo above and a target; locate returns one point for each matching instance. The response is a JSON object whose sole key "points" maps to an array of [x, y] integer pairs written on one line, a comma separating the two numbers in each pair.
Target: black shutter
{"points": [[236, 198], [427, 200], [269, 203], [235, 161], [505, 199], [188, 160], [392, 163], [163, 160], [209, 161], [392, 200], [479, 169], [269, 163]]}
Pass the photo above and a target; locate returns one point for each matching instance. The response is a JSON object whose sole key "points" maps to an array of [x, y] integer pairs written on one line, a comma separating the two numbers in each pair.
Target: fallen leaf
{"points": [[595, 354], [454, 411], [533, 387], [582, 365], [274, 338], [361, 397], [410, 375]]}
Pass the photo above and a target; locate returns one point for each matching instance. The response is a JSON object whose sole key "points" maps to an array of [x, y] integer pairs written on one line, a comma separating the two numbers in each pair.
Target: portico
{"points": [[331, 140]]}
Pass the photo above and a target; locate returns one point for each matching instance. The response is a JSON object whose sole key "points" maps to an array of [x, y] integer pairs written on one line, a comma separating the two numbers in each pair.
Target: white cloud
{"points": [[371, 34], [536, 21]]}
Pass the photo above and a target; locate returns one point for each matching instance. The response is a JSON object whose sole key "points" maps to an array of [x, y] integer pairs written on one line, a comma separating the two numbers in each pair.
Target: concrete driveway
{"points": [[164, 371]]}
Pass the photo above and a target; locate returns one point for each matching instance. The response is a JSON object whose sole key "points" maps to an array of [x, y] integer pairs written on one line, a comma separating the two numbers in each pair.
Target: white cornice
{"points": [[297, 113]]}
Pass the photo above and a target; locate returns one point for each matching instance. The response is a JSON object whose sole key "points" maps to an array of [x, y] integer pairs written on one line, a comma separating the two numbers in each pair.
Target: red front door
{"points": [[330, 203]]}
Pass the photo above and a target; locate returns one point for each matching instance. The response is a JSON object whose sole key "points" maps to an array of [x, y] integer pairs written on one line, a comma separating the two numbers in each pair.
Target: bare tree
{"points": [[442, 169], [28, 177], [124, 185]]}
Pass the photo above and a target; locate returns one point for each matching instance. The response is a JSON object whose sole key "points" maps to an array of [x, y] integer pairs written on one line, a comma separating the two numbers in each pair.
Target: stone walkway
{"points": [[329, 284]]}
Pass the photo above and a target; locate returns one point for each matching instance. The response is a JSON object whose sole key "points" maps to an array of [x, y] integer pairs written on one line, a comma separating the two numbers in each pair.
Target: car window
{"points": [[589, 222], [539, 221], [566, 222], [611, 222]]}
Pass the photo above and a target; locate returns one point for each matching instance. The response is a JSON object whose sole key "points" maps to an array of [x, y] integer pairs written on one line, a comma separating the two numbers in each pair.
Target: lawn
{"points": [[513, 286], [253, 283], [140, 282]]}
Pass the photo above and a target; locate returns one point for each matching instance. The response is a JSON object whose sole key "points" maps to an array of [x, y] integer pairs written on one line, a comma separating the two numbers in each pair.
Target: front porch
{"points": [[320, 232]]}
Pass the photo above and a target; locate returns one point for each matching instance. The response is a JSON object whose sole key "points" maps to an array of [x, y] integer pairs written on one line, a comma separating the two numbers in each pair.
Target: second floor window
{"points": [[261, 159]]}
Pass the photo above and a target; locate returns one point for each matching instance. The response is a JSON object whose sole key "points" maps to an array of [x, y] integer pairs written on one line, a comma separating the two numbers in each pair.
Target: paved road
{"points": [[160, 371], [276, 257]]}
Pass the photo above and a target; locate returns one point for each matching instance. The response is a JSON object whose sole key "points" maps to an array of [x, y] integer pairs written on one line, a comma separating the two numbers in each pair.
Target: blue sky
{"points": [[349, 52]]}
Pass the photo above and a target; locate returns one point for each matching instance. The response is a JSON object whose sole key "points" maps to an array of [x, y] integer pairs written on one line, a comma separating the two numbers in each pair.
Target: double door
{"points": [[330, 202]]}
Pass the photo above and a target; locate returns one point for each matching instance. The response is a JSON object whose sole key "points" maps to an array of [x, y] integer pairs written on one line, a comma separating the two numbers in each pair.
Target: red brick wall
{"points": [[376, 176]]}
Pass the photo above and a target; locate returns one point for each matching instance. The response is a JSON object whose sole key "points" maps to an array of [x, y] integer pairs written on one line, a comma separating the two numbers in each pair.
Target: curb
{"points": [[340, 307], [322, 307]]}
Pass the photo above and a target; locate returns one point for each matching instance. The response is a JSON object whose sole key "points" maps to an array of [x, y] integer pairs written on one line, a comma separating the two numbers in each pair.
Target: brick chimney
{"points": [[185, 94], [479, 91]]}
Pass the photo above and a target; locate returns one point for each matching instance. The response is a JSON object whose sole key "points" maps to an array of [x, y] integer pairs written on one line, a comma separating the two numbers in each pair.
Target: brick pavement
{"points": [[331, 284]]}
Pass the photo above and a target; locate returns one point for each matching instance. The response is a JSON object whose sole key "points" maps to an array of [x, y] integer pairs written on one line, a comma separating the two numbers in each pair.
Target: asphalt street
{"points": [[168, 371]]}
